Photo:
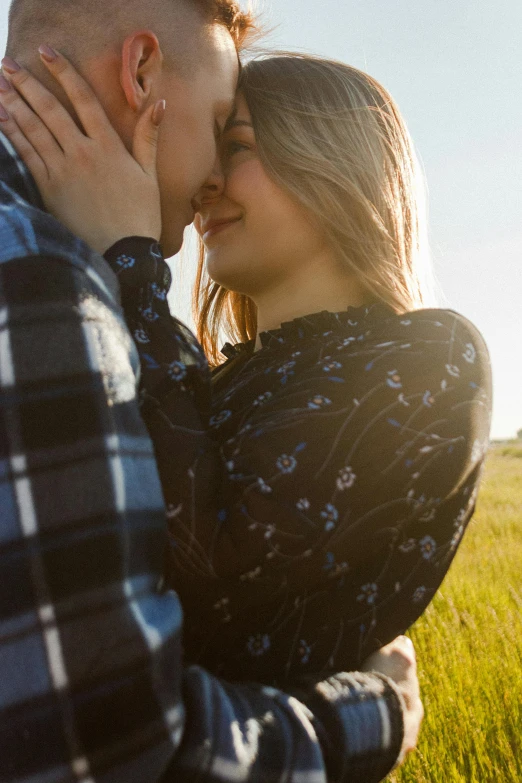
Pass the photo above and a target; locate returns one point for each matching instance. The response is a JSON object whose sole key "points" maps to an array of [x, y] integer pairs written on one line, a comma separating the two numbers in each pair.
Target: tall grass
{"points": [[469, 647]]}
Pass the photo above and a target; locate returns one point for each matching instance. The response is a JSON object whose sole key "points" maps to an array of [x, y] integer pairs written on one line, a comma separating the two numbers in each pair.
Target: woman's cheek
{"points": [[244, 183]]}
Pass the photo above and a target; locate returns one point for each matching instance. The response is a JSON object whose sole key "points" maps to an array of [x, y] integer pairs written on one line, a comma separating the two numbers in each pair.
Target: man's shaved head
{"points": [[135, 52], [83, 29]]}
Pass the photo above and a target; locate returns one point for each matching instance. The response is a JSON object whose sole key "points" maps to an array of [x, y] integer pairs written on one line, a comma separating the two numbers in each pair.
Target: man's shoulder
{"points": [[27, 231]]}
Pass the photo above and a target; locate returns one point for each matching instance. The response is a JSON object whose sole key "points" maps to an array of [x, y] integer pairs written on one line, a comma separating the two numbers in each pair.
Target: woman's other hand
{"points": [[88, 181], [398, 662]]}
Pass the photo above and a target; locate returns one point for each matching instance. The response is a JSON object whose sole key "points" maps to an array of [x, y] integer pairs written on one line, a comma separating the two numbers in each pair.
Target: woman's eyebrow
{"points": [[233, 123]]}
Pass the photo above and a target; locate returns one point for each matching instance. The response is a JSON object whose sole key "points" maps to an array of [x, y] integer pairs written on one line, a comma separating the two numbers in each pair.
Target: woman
{"points": [[320, 480]]}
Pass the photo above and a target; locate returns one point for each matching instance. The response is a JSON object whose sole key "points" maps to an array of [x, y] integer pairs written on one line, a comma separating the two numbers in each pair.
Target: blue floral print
{"points": [[125, 262], [177, 371], [149, 314], [346, 479], [428, 399], [427, 546], [332, 366], [220, 418], [419, 594], [318, 402], [330, 515], [304, 651], [394, 379], [368, 593], [286, 464], [380, 499], [141, 336], [259, 644], [318, 488]]}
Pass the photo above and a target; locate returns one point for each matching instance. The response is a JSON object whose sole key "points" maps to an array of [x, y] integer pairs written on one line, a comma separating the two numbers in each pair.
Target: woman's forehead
{"points": [[240, 114]]}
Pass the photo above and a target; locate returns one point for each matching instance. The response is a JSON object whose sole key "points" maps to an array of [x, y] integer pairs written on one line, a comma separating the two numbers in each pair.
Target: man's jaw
{"points": [[173, 243]]}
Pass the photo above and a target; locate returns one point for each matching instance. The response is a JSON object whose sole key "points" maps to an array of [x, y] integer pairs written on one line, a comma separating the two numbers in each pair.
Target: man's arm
{"points": [[91, 684], [348, 729], [93, 688]]}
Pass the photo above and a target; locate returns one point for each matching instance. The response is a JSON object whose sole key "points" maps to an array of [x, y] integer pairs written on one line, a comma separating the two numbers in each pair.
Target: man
{"points": [[93, 687]]}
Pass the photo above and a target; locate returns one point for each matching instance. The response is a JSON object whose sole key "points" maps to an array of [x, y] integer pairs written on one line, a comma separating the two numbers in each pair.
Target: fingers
{"points": [[405, 644], [53, 114], [402, 656], [158, 113], [145, 146], [397, 659], [27, 124], [25, 149]]}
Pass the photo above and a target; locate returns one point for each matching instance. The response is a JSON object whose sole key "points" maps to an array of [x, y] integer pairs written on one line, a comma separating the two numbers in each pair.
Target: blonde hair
{"points": [[333, 138]]}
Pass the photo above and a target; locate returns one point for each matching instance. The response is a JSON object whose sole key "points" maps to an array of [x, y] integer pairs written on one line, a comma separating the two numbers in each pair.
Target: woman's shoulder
{"points": [[422, 344], [433, 327], [433, 320]]}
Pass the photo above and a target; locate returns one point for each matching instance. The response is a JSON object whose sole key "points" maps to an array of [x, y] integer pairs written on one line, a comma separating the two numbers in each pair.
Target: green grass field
{"points": [[469, 646]]}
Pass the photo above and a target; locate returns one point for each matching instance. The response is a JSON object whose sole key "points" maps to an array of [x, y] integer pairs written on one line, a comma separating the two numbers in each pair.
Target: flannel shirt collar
{"points": [[36, 232]]}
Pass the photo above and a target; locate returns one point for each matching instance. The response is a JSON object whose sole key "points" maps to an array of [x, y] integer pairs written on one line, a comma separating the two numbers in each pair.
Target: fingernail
{"points": [[159, 112], [3, 114], [10, 65], [48, 54], [4, 84]]}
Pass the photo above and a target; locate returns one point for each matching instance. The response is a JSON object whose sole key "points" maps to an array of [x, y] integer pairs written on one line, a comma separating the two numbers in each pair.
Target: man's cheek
{"points": [[208, 150]]}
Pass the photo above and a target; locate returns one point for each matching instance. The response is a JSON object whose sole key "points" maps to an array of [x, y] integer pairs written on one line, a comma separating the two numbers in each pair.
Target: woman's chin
{"points": [[227, 275], [220, 266]]}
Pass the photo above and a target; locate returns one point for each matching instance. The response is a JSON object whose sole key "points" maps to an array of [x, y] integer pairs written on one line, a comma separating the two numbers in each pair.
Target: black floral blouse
{"points": [[317, 489]]}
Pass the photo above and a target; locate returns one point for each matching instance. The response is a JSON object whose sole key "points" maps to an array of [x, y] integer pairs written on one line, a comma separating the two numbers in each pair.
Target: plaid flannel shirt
{"points": [[93, 688]]}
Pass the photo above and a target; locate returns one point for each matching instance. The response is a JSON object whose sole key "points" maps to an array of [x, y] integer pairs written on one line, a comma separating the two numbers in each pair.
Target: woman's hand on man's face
{"points": [[88, 181]]}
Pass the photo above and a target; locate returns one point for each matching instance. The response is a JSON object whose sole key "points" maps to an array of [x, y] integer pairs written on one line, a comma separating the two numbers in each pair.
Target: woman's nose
{"points": [[213, 187]]}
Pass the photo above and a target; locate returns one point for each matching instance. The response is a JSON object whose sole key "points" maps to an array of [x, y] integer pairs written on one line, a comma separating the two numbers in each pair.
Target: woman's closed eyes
{"points": [[233, 147]]}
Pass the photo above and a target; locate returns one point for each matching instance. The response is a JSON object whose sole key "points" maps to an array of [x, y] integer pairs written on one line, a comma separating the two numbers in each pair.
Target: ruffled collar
{"points": [[323, 323]]}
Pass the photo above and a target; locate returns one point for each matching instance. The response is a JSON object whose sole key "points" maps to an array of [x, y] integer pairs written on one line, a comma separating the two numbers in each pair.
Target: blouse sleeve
{"points": [[171, 358], [326, 522]]}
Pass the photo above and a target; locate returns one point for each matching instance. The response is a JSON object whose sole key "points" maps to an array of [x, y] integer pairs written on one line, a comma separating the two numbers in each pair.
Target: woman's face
{"points": [[255, 234]]}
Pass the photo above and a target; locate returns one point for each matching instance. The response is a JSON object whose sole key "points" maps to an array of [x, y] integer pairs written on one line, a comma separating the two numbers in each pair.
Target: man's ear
{"points": [[141, 66]]}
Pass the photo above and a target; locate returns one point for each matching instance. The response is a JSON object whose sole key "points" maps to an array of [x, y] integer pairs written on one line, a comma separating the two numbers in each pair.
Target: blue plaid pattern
{"points": [[92, 687]]}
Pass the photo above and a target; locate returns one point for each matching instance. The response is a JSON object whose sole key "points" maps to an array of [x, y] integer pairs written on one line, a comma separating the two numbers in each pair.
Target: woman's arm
{"points": [[171, 357]]}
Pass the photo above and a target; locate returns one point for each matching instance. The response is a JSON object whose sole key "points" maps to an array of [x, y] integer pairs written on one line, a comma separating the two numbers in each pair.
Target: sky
{"points": [[455, 69]]}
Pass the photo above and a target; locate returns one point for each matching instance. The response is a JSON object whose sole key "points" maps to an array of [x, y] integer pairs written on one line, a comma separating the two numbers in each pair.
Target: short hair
{"points": [[82, 28], [228, 13]]}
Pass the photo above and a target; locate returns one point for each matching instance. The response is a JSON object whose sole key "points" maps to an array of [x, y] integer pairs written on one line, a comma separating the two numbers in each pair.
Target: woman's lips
{"points": [[219, 228]]}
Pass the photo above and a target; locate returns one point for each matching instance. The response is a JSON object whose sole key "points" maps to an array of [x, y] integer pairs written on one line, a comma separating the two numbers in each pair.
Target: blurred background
{"points": [[455, 70]]}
